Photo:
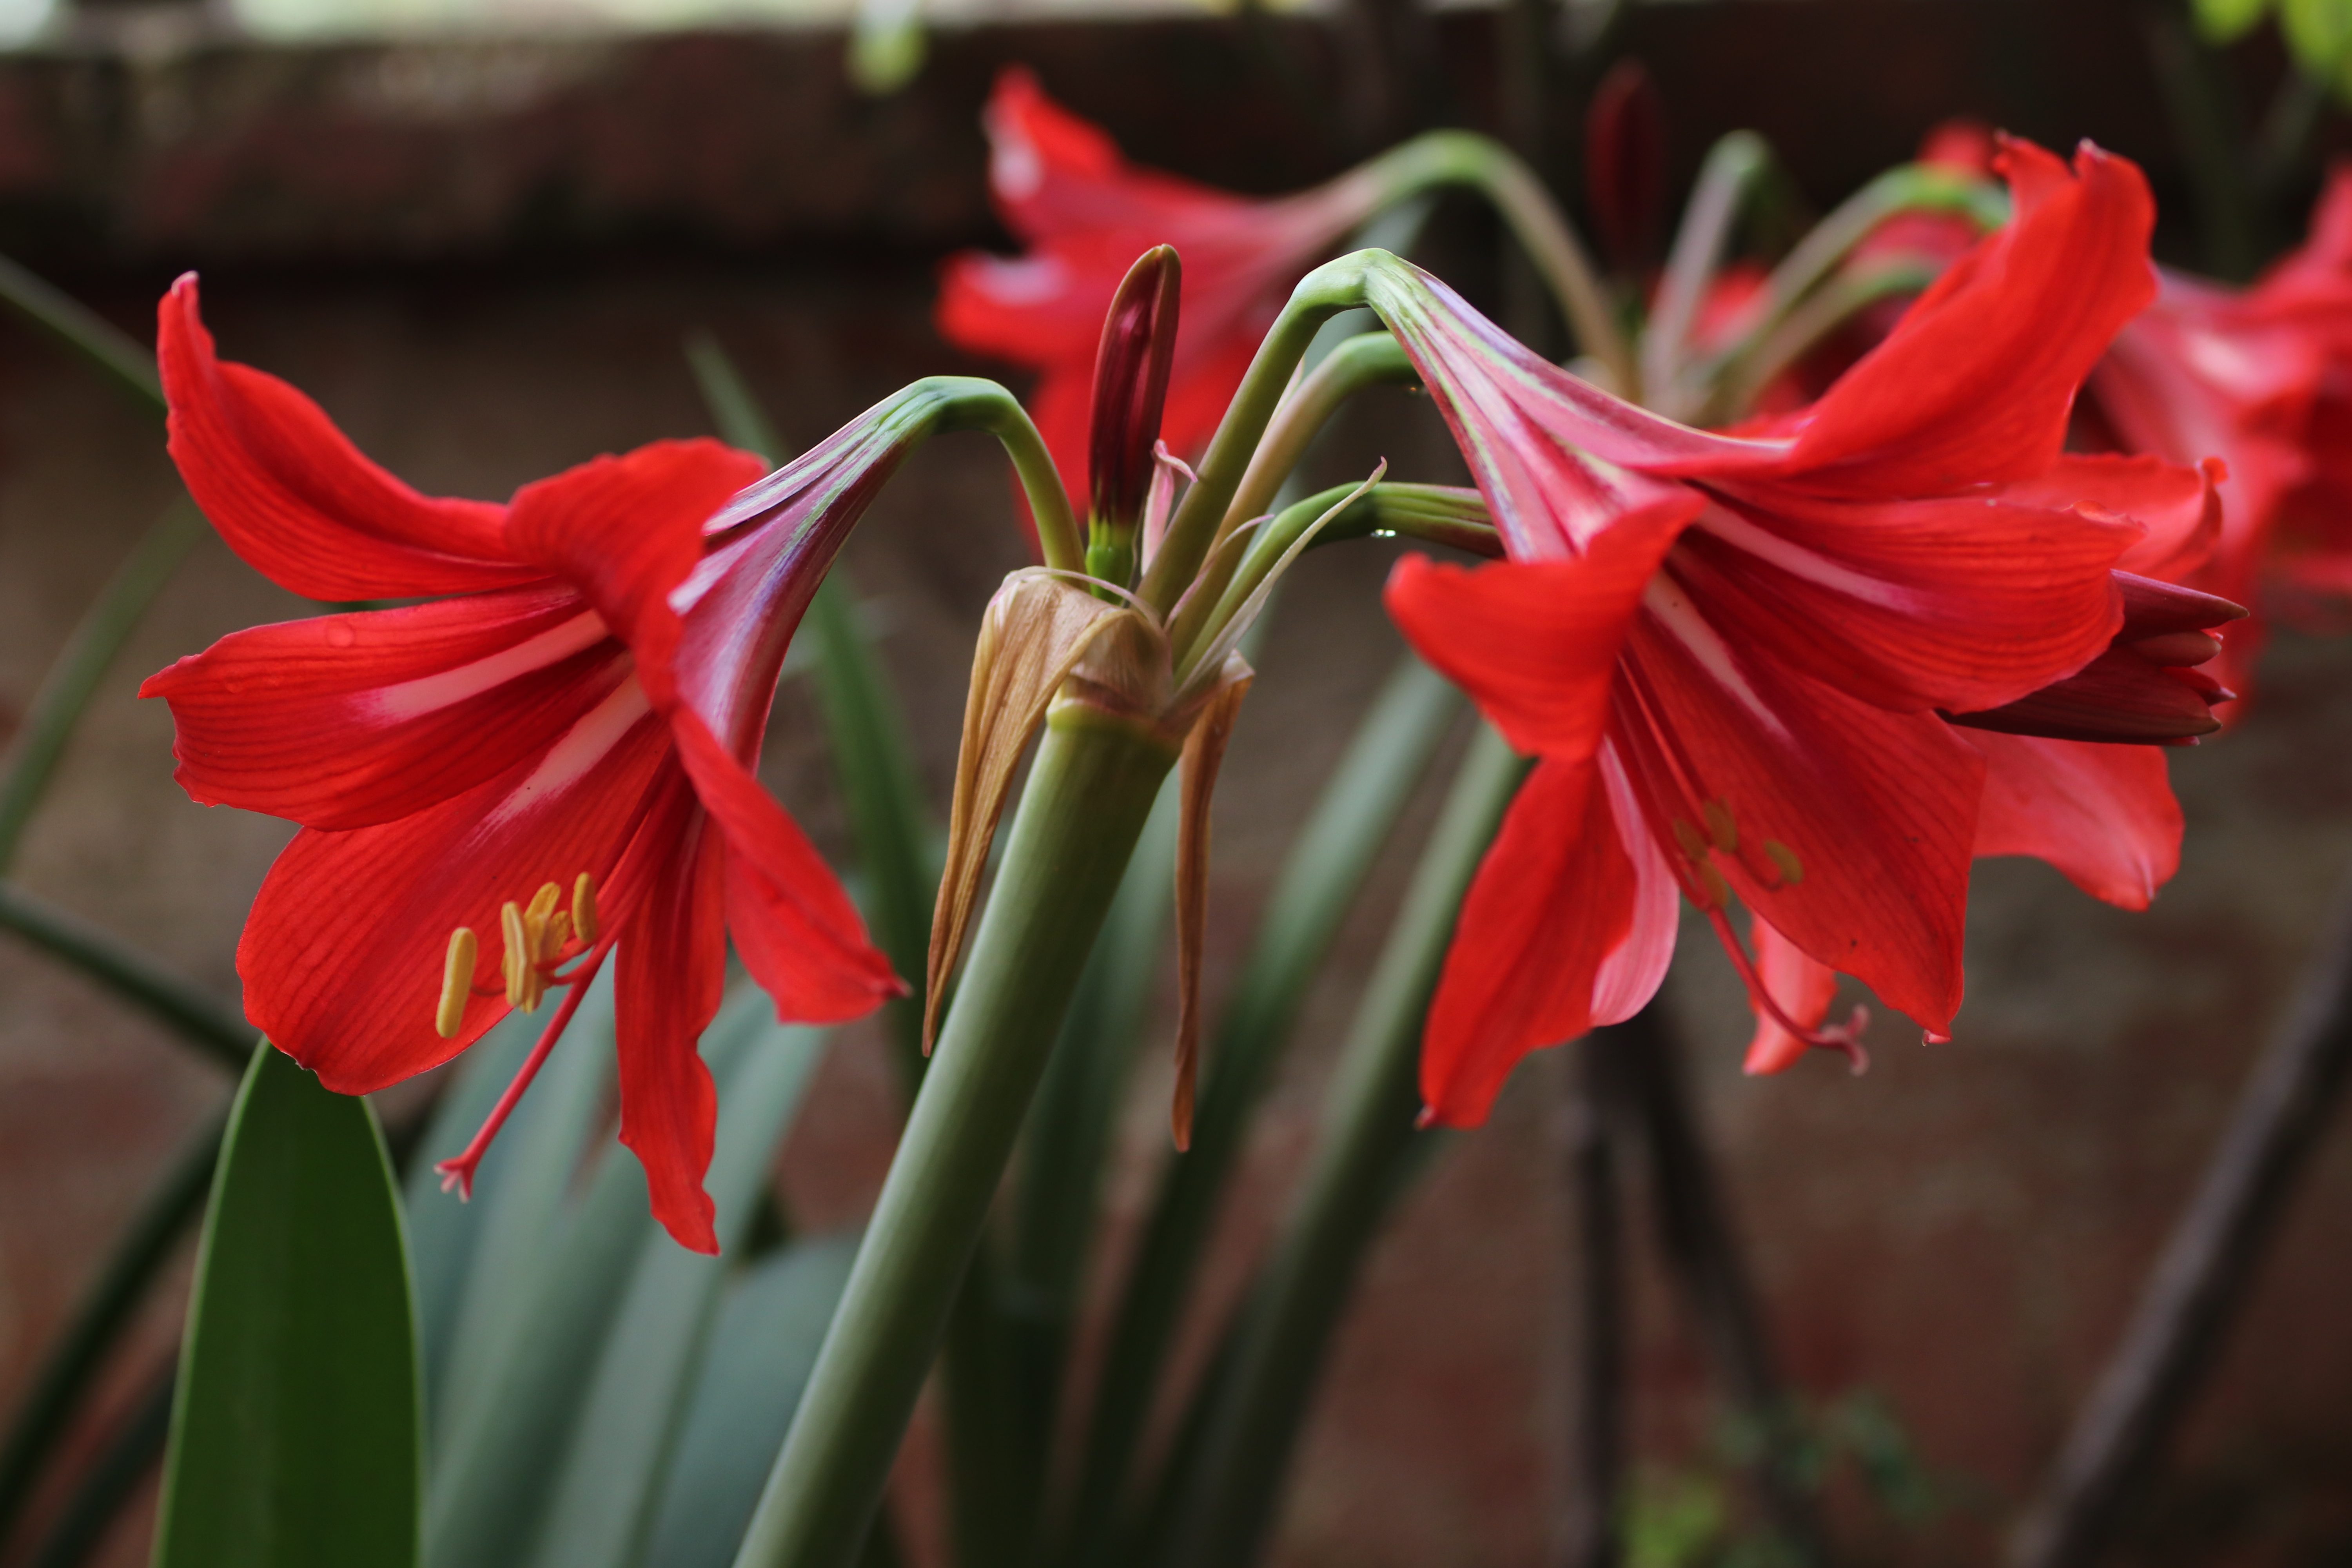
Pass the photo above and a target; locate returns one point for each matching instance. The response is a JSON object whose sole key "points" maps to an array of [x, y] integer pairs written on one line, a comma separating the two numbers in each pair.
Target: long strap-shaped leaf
{"points": [[297, 1431]]}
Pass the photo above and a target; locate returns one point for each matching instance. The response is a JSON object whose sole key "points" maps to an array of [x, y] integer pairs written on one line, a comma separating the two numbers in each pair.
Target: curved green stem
{"points": [[1367, 359], [194, 1016], [114, 352], [1334, 287], [1089, 792], [98, 1321], [1369, 1147], [1464, 158], [1733, 166], [1742, 379], [1913, 187], [89, 653], [979, 405], [1435, 514]]}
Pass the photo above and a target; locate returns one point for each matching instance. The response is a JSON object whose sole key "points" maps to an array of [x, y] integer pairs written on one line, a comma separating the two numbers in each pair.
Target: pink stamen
{"points": [[459, 1173], [1845, 1038]]}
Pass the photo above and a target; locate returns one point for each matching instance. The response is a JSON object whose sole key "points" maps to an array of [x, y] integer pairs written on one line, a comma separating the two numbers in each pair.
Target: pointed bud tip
{"points": [[1131, 367], [1626, 160]]}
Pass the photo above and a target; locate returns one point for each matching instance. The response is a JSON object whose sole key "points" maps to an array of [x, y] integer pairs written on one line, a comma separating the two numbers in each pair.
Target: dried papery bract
{"points": [[1204, 753], [1036, 628]]}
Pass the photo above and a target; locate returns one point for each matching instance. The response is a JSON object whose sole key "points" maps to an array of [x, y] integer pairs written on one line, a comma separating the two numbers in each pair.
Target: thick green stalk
{"points": [[1368, 1148], [194, 1016], [1089, 793], [90, 651]]}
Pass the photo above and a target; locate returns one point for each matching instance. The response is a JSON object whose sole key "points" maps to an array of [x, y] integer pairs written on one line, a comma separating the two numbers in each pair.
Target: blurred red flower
{"points": [[1086, 213]]}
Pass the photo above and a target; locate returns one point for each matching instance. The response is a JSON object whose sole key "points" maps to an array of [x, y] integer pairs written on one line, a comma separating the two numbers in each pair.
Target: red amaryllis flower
{"points": [[2261, 379], [558, 755], [1734, 657], [1086, 213]]}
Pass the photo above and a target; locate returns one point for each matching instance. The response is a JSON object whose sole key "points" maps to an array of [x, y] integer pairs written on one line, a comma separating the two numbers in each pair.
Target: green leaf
{"points": [[98, 638], [104, 346], [496, 1457], [613, 1470], [194, 1017], [762, 1346], [2319, 34], [295, 1434], [2223, 20], [1317, 885], [443, 1231], [520, 1194]]}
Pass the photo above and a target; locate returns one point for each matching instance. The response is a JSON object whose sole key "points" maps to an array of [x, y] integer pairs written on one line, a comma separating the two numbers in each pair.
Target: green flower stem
{"points": [[98, 1321], [1089, 793], [1463, 158], [1192, 531], [983, 405], [1367, 1150], [106, 347], [88, 654], [1909, 188], [1733, 167], [195, 1017], [1736, 386], [1435, 514], [1369, 359]]}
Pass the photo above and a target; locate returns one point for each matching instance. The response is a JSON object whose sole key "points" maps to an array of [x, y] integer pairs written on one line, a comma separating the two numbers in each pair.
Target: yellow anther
{"points": [[584, 907], [551, 940], [456, 982], [1718, 891], [518, 971], [543, 903], [1720, 828], [1693, 843], [1792, 871]]}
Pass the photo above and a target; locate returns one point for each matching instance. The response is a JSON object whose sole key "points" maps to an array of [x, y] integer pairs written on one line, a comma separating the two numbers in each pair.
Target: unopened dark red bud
{"points": [[2145, 687], [1625, 163], [1138, 343]]}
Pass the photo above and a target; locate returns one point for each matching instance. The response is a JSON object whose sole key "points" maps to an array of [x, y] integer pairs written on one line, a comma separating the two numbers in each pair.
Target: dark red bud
{"points": [[1625, 163], [2145, 687], [1138, 341]]}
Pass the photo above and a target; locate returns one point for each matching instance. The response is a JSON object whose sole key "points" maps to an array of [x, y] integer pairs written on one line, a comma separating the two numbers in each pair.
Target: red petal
{"points": [[342, 957], [1976, 383], [796, 930], [296, 498], [1873, 812], [347, 721], [1535, 645], [1555, 898], [1801, 988], [626, 531], [672, 972], [1908, 604], [2175, 503], [2104, 815]]}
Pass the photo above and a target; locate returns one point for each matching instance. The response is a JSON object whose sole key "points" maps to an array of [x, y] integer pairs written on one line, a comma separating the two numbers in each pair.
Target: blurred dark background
{"points": [[481, 251]]}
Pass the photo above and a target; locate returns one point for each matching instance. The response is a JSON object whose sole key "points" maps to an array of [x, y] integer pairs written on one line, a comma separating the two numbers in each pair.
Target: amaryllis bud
{"points": [[2146, 688], [1625, 163], [1138, 343]]}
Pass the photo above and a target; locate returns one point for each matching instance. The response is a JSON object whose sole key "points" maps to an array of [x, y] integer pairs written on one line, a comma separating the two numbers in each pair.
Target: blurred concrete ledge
{"points": [[151, 135]]}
